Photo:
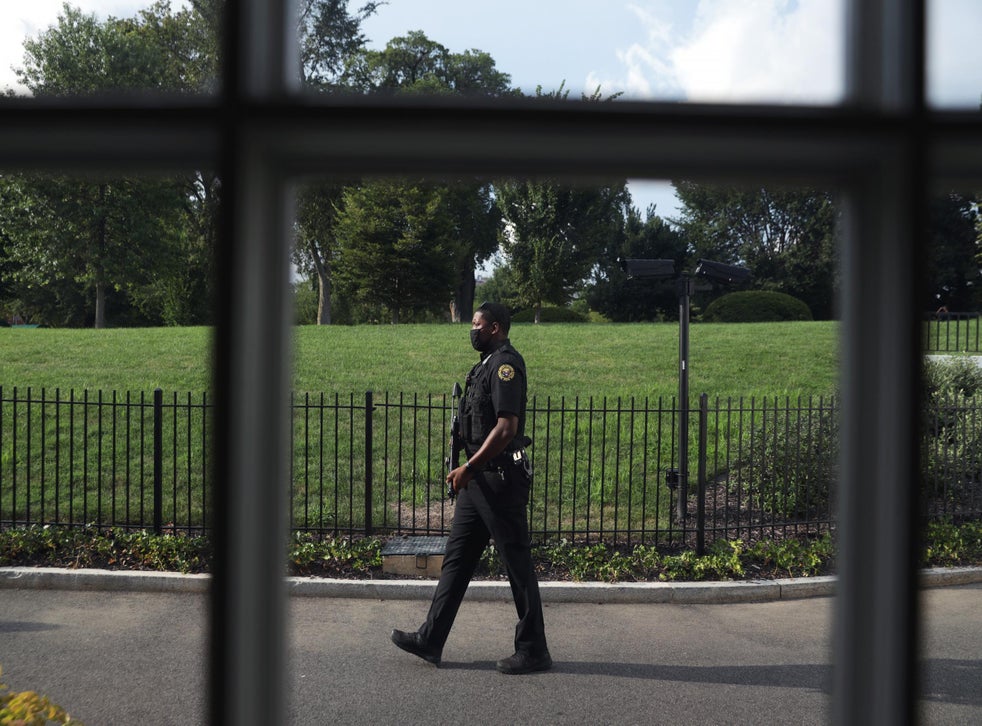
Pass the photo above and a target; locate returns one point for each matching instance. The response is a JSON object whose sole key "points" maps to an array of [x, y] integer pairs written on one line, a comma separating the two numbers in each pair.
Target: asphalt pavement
{"points": [[138, 656]]}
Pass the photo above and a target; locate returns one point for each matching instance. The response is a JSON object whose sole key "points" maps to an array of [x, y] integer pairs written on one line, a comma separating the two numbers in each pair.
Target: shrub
{"points": [[756, 306], [333, 557], [948, 544], [550, 315], [952, 456], [30, 709], [956, 375], [791, 465], [107, 548], [793, 557]]}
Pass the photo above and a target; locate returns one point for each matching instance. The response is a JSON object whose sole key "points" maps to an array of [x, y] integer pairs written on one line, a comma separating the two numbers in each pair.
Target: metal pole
{"points": [[158, 455], [701, 483], [369, 435], [684, 290]]}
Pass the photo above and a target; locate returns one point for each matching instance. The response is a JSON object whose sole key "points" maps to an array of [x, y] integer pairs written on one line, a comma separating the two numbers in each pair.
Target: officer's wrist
{"points": [[470, 467]]}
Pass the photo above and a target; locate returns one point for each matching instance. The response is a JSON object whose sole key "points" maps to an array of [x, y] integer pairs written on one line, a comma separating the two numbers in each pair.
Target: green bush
{"points": [[945, 545], [791, 465], [550, 315], [950, 545], [793, 557], [106, 548], [959, 376], [333, 557], [756, 306], [952, 456]]}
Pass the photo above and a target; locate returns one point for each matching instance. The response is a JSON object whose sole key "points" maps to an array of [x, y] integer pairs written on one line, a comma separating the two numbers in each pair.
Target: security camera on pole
{"points": [[715, 272]]}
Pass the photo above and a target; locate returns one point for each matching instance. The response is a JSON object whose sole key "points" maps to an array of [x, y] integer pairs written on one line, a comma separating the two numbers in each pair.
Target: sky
{"points": [[773, 51]]}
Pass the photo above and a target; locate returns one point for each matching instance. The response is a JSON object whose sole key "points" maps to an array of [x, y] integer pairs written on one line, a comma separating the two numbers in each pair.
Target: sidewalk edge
{"points": [[39, 578]]}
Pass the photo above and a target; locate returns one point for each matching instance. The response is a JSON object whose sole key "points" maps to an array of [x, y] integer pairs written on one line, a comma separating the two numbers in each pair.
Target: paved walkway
{"points": [[125, 656]]}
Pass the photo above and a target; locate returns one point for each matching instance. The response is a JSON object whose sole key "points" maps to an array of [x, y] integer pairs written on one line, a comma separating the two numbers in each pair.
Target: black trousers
{"points": [[489, 507]]}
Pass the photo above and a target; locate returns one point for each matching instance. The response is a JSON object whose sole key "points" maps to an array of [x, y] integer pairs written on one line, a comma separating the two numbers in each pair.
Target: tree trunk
{"points": [[100, 285], [538, 313], [100, 305], [323, 288], [462, 308]]}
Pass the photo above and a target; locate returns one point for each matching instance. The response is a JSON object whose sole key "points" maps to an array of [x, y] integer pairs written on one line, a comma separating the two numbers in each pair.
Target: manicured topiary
{"points": [[756, 306]]}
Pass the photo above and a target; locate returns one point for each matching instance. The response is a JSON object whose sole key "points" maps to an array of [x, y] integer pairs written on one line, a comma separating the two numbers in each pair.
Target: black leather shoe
{"points": [[413, 643], [523, 662]]}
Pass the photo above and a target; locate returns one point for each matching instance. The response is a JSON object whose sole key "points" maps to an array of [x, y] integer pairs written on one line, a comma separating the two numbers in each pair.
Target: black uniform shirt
{"points": [[495, 386]]}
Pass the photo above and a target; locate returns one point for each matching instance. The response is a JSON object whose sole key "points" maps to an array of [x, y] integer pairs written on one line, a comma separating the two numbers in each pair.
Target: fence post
{"points": [[369, 436], [158, 460], [685, 287], [701, 484]]}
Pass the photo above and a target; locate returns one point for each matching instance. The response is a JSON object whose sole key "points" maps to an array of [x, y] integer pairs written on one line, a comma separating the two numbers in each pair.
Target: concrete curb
{"points": [[35, 578]]}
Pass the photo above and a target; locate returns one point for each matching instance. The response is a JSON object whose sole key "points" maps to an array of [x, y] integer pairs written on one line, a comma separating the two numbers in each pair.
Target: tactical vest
{"points": [[477, 414]]}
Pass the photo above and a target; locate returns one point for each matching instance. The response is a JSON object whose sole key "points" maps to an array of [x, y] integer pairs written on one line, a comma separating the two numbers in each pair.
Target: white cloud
{"points": [[738, 50]]}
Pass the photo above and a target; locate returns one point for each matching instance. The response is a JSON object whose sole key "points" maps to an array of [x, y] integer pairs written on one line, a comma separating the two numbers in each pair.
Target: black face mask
{"points": [[479, 345]]}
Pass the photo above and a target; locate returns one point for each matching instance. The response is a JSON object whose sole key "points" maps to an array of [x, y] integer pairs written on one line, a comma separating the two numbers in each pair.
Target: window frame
{"points": [[881, 147]]}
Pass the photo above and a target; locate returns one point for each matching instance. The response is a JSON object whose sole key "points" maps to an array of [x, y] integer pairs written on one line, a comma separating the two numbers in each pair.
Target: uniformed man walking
{"points": [[493, 491]]}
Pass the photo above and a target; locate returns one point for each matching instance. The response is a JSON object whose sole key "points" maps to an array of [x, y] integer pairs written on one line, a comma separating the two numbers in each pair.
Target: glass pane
{"points": [[954, 55], [97, 46], [374, 252], [709, 51]]}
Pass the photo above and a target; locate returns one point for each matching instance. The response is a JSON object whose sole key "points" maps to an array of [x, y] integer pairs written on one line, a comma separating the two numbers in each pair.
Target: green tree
{"points": [[476, 222], [409, 64], [415, 64], [786, 237], [501, 287], [953, 249], [72, 239], [620, 299], [155, 51], [316, 239], [394, 253], [555, 233], [330, 40], [144, 243]]}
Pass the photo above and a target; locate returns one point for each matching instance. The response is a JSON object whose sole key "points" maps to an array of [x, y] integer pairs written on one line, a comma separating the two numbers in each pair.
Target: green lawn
{"points": [[596, 436], [565, 360], [602, 417]]}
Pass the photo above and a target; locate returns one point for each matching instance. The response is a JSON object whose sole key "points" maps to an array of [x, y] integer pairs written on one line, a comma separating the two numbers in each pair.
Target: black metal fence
{"points": [[946, 332], [373, 464]]}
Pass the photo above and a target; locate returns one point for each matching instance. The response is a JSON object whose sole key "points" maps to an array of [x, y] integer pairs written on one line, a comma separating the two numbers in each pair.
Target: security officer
{"points": [[493, 492]]}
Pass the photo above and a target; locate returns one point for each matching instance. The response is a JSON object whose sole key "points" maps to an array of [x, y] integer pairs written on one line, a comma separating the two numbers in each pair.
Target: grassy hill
{"points": [[571, 360]]}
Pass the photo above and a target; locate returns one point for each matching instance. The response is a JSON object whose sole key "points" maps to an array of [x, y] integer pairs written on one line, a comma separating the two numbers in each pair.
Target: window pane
{"points": [[97, 46], [707, 51], [954, 55]]}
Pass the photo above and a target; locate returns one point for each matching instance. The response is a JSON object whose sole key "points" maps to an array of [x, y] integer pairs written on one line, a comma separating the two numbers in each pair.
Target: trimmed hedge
{"points": [[756, 306]]}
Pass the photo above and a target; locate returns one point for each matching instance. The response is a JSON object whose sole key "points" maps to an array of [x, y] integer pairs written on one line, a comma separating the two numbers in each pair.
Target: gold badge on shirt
{"points": [[506, 372]]}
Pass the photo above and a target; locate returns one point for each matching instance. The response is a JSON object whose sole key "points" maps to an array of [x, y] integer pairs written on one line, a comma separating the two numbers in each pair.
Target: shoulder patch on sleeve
{"points": [[506, 372]]}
